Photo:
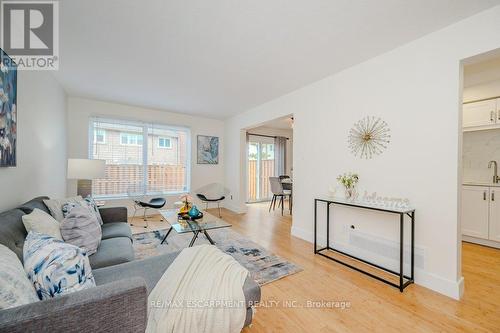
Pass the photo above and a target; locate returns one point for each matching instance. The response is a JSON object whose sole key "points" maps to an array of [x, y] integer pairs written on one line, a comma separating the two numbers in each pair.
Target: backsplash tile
{"points": [[480, 147]]}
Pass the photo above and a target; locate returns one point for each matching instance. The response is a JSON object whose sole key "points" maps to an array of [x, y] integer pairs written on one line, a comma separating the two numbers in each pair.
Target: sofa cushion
{"points": [[116, 229], [35, 203], [112, 251], [151, 270], [15, 287], [54, 267], [12, 231]]}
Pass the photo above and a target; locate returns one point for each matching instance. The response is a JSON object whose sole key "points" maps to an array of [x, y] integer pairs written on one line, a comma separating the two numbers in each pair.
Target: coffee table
{"points": [[208, 222]]}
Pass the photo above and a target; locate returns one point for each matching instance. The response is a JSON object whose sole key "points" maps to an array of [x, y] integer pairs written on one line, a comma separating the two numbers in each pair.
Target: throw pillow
{"points": [[55, 268], [67, 207], [88, 203], [94, 208], [55, 206], [81, 228], [15, 287], [41, 222]]}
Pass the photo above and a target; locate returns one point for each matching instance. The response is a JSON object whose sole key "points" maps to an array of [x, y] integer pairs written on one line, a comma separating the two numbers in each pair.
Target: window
{"points": [[134, 163], [100, 136], [164, 143], [130, 139]]}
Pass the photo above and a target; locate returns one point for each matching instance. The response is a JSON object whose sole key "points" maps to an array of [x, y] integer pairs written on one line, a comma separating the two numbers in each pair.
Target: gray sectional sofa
{"points": [[119, 301]]}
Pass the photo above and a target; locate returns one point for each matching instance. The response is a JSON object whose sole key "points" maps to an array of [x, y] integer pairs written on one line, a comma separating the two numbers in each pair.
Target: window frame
{"points": [[128, 135], [103, 142], [146, 126], [170, 146]]}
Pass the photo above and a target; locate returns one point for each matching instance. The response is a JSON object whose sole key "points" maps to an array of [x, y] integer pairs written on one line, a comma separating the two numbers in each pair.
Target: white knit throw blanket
{"points": [[201, 291]]}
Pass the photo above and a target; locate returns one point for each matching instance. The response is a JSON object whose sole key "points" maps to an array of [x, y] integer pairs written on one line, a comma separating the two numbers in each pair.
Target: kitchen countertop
{"points": [[481, 184]]}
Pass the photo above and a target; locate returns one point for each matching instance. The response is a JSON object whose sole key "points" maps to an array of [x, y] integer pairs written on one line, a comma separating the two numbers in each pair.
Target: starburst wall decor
{"points": [[369, 137]]}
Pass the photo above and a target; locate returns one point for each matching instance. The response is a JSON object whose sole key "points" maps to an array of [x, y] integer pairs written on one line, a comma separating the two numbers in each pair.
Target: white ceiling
{"points": [[217, 58]]}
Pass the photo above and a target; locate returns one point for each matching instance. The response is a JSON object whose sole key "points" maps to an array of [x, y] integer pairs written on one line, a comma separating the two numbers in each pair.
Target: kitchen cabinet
{"points": [[475, 211], [494, 216], [483, 113], [481, 214]]}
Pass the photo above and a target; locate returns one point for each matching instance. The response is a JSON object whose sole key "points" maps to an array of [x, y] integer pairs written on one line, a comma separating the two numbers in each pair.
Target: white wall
{"points": [[80, 110], [416, 90], [41, 145]]}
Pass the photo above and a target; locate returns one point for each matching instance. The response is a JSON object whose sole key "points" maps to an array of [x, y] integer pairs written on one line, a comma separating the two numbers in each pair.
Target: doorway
{"points": [[260, 167], [269, 153]]}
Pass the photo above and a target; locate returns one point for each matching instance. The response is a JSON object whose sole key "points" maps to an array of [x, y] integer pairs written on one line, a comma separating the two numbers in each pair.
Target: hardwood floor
{"points": [[374, 307]]}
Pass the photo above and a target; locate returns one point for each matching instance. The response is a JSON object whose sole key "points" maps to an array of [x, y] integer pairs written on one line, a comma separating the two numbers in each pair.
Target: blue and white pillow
{"points": [[55, 268]]}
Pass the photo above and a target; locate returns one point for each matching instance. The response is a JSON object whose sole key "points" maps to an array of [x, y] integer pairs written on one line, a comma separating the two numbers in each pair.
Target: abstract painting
{"points": [[8, 110], [208, 149]]}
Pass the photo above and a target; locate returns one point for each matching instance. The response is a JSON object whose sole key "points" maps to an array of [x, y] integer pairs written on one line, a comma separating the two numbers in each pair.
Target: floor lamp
{"points": [[84, 171]]}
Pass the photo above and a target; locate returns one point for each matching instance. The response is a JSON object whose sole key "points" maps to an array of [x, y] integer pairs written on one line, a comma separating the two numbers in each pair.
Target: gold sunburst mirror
{"points": [[369, 137]]}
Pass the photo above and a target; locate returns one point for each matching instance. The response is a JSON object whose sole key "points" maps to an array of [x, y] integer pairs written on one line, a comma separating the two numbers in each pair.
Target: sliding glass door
{"points": [[260, 168]]}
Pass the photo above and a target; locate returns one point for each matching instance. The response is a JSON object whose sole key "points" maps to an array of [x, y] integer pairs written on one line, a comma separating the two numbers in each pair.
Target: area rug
{"points": [[264, 267]]}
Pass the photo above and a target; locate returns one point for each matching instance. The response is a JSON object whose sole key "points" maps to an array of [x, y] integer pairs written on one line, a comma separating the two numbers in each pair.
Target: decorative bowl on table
{"points": [[197, 217]]}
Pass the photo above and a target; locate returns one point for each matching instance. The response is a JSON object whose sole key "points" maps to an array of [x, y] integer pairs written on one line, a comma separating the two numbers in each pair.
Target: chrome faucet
{"points": [[495, 171]]}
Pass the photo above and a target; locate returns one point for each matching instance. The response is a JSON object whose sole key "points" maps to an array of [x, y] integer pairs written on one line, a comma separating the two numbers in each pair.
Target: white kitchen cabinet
{"points": [[494, 216], [481, 113], [475, 211]]}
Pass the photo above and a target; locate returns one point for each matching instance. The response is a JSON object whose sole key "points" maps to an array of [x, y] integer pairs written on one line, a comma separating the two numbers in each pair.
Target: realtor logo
{"points": [[30, 33]]}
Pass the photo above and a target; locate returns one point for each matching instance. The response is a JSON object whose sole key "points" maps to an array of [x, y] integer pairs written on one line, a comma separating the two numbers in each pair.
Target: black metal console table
{"points": [[402, 212]]}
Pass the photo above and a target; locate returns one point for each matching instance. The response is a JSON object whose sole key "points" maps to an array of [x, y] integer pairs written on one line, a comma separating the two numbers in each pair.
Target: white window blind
{"points": [[135, 161]]}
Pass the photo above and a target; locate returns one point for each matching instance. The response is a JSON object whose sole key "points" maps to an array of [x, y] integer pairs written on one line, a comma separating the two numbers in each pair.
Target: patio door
{"points": [[260, 168]]}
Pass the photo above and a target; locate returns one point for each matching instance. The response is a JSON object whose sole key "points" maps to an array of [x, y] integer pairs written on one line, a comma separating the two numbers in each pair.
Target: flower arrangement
{"points": [[349, 181], [187, 199]]}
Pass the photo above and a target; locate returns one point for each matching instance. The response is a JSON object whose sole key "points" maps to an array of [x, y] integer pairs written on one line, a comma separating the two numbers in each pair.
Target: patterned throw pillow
{"points": [[94, 208], [88, 203], [68, 206], [55, 268], [55, 206], [15, 288], [81, 228]]}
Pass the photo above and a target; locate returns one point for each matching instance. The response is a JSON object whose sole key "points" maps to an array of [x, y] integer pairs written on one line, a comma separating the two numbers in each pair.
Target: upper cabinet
{"points": [[483, 114]]}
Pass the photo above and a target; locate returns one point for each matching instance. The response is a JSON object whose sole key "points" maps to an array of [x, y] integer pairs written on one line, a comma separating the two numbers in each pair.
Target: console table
{"points": [[402, 212]]}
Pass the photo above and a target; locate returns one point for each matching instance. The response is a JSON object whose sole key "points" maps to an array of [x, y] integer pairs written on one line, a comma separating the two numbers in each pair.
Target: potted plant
{"points": [[349, 181]]}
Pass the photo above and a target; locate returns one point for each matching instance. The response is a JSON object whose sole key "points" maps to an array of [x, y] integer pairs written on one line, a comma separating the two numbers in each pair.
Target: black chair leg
{"points": [[271, 204], [282, 204]]}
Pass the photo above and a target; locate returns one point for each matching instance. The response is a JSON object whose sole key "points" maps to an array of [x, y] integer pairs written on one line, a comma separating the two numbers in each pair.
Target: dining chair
{"points": [[278, 193]]}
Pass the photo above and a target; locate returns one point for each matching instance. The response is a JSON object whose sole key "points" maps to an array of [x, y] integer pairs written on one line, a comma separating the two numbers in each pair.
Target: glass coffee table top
{"points": [[208, 222]]}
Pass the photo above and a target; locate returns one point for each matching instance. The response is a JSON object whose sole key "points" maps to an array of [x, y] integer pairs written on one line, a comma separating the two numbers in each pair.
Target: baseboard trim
{"points": [[484, 242], [450, 288]]}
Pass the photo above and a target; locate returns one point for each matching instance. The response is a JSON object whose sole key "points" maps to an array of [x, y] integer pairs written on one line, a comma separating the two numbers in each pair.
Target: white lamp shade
{"points": [[79, 168]]}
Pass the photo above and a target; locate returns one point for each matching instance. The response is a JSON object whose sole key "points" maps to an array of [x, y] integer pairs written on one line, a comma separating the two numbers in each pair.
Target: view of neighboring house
{"points": [[127, 148]]}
